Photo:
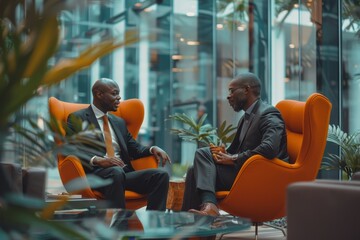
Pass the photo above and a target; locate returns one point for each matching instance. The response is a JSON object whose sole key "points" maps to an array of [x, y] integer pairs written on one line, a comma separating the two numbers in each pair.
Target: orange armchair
{"points": [[259, 190], [70, 168]]}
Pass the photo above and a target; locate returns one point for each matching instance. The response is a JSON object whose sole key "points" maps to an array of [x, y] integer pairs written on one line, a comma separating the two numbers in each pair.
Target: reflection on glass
{"points": [[112, 223]]}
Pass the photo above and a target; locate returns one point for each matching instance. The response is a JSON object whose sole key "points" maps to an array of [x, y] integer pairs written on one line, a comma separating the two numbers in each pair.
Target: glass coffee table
{"points": [[141, 224]]}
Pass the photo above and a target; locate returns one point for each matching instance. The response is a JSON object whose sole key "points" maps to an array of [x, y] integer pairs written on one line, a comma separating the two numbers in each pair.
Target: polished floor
{"points": [[264, 233]]}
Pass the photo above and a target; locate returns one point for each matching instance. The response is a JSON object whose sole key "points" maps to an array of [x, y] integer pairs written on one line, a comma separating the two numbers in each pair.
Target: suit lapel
{"points": [[90, 117], [249, 123], [246, 128], [121, 140], [234, 146]]}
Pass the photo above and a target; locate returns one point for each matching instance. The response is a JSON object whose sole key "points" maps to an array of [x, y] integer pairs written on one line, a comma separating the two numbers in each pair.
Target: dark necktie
{"points": [[108, 140], [245, 126]]}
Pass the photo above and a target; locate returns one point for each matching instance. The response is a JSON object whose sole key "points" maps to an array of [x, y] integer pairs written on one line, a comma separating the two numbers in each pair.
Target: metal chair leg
{"points": [[256, 230], [283, 230]]}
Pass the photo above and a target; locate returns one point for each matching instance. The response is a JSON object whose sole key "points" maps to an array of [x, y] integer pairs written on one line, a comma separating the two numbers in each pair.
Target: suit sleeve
{"points": [[134, 149], [271, 129]]}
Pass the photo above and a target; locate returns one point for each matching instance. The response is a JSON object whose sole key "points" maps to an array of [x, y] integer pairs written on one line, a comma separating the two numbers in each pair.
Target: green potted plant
{"points": [[202, 133], [348, 159]]}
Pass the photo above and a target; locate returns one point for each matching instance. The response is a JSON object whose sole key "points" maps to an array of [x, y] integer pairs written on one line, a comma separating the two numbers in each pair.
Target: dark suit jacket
{"points": [[130, 148], [265, 123]]}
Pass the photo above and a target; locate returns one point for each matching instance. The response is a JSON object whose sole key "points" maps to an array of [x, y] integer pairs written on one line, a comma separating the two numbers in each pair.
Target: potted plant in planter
{"points": [[203, 134], [348, 159], [200, 132]]}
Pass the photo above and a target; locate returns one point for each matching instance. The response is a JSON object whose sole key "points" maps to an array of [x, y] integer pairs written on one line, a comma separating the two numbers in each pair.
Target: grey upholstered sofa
{"points": [[28, 181], [324, 210]]}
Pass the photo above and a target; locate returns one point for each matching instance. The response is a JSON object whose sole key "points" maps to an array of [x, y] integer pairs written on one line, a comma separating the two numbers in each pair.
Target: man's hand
{"points": [[106, 162], [160, 155], [220, 155], [224, 158]]}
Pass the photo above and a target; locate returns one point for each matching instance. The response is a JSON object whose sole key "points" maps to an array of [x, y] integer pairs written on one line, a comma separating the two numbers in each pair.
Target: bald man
{"points": [[260, 131], [153, 182]]}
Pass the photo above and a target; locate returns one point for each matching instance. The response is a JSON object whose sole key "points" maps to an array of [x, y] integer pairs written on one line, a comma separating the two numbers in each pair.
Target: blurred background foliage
{"points": [[29, 38]]}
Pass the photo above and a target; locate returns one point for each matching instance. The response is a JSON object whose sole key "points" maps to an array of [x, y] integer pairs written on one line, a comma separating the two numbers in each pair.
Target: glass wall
{"points": [[189, 50], [293, 34], [350, 65]]}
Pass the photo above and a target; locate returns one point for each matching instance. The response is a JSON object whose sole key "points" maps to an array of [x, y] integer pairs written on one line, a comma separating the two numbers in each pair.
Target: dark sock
{"points": [[207, 197]]}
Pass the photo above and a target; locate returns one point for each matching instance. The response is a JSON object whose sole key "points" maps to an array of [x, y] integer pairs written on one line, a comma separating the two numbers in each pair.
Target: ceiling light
{"points": [[193, 43], [219, 26], [177, 57], [241, 28]]}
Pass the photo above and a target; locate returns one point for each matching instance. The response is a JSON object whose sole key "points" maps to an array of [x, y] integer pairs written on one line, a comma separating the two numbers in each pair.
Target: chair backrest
{"points": [[307, 128], [131, 110]]}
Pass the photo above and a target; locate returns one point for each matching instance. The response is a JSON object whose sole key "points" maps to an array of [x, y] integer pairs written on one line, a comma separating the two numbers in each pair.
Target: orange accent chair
{"points": [[259, 190], [70, 168]]}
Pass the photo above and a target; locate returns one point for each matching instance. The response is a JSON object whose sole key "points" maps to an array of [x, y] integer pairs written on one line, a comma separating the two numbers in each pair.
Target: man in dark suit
{"points": [[117, 164], [261, 130]]}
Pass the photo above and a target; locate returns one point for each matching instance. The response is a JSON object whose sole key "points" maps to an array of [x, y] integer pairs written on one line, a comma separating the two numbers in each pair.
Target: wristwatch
{"points": [[235, 157]]}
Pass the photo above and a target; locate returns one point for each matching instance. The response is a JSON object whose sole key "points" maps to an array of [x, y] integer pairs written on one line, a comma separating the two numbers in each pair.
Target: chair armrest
{"points": [[323, 210], [260, 186], [332, 181], [70, 169], [356, 176], [144, 163], [261, 172]]}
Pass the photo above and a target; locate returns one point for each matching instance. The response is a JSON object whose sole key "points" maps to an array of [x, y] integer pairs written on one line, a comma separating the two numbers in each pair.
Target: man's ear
{"points": [[98, 93]]}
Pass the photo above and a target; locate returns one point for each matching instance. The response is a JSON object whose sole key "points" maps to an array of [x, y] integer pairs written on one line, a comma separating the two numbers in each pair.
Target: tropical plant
{"points": [[350, 12], [29, 39], [348, 159], [233, 12], [27, 45], [202, 133], [42, 145]]}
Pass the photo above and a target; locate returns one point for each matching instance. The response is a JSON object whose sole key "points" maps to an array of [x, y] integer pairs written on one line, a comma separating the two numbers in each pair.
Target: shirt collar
{"points": [[250, 109], [98, 113]]}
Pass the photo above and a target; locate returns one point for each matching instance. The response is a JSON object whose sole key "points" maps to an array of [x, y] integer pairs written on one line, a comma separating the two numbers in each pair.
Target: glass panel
{"points": [[198, 46], [350, 75], [192, 67], [293, 33], [242, 45], [351, 66]]}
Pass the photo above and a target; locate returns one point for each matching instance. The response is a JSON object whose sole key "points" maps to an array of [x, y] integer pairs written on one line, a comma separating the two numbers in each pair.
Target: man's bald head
{"points": [[101, 84], [251, 80], [106, 94]]}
